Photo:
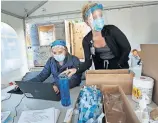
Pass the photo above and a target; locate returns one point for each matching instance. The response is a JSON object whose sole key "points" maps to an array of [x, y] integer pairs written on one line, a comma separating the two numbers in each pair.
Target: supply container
{"points": [[137, 70], [142, 86]]}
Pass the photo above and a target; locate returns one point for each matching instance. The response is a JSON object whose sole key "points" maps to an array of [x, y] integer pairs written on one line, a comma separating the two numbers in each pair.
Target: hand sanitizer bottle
{"points": [[144, 114]]}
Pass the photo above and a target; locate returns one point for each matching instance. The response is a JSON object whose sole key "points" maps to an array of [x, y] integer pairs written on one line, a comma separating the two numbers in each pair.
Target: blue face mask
{"points": [[98, 24], [59, 58]]}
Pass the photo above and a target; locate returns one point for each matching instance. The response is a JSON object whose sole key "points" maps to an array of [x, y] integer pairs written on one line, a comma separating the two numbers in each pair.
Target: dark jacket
{"points": [[52, 67], [116, 41]]}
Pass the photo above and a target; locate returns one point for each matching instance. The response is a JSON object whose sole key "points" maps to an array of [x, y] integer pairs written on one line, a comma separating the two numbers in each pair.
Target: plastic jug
{"points": [[64, 90]]}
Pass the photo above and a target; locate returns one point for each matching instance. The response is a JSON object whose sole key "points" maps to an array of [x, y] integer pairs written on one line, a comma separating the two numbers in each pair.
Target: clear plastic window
{"points": [[10, 49]]}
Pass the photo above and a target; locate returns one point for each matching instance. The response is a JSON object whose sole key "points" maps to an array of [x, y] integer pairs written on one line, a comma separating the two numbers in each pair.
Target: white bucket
{"points": [[142, 86]]}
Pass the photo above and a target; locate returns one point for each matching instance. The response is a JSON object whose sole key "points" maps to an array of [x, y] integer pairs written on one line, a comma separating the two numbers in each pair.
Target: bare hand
{"points": [[70, 72], [56, 89]]}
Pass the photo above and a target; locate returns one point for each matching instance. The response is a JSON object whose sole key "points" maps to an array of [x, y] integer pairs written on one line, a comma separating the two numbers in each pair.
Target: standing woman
{"points": [[106, 45]]}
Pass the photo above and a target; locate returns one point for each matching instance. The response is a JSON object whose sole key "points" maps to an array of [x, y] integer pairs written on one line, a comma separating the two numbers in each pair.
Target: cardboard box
{"points": [[150, 65], [130, 114], [109, 81], [77, 101], [121, 77], [113, 71]]}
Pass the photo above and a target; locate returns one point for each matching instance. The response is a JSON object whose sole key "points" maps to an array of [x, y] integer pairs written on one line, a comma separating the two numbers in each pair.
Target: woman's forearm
{"points": [[84, 66]]}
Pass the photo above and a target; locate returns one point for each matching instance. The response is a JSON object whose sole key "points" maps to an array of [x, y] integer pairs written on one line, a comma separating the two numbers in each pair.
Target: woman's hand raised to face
{"points": [[70, 72]]}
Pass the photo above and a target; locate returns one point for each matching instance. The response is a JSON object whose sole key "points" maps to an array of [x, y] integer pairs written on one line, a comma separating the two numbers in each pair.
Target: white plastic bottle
{"points": [[144, 114], [137, 70], [75, 116]]}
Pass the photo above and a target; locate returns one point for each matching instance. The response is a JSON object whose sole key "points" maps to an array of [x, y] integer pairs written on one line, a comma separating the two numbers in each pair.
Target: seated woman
{"points": [[59, 62]]}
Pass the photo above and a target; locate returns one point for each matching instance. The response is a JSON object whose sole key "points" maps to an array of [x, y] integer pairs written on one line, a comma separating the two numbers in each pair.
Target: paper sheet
{"points": [[40, 116]]}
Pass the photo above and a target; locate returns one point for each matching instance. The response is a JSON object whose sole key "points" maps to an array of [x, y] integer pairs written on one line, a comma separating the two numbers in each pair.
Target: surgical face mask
{"points": [[59, 58], [98, 24]]}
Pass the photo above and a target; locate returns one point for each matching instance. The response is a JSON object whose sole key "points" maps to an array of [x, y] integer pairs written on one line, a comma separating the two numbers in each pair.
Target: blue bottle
{"points": [[64, 90]]}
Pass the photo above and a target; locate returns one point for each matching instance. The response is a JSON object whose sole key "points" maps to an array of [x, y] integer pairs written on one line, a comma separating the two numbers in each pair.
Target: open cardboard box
{"points": [[77, 101], [121, 77], [130, 114]]}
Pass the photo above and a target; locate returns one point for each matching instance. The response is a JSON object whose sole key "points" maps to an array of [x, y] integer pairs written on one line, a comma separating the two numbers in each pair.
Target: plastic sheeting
{"points": [[10, 49]]}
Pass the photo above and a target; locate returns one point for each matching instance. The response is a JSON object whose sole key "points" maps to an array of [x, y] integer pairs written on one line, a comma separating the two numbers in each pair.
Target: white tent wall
{"points": [[140, 24], [17, 25]]}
